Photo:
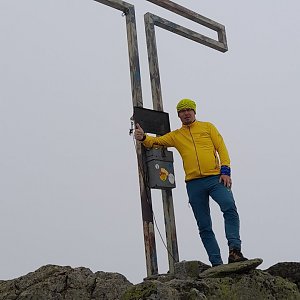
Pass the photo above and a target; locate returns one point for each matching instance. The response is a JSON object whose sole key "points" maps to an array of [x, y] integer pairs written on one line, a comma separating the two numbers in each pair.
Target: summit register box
{"points": [[160, 168], [159, 160]]}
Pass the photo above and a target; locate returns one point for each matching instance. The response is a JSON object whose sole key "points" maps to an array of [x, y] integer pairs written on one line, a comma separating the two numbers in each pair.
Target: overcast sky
{"points": [[69, 191]]}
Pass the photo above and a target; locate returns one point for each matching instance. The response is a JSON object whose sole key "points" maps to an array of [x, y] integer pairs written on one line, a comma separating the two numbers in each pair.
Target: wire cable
{"points": [[144, 178]]}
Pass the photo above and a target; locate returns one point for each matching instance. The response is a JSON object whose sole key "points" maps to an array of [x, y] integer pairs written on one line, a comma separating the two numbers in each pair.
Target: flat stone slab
{"points": [[226, 269]]}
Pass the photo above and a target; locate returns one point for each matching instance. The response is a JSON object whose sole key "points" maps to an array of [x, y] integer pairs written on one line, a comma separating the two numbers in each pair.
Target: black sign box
{"points": [[152, 121]]}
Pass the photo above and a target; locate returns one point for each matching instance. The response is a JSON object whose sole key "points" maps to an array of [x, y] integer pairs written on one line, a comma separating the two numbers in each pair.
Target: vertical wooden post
{"points": [[137, 100], [169, 216], [145, 193], [167, 198]]}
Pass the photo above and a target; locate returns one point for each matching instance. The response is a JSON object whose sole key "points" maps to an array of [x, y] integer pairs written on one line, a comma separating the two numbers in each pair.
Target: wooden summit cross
{"points": [[151, 21]]}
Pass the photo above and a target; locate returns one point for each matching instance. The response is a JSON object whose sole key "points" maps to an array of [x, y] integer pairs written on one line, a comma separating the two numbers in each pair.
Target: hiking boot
{"points": [[235, 255]]}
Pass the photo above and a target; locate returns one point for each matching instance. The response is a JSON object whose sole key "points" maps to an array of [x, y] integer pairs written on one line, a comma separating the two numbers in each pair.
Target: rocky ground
{"points": [[192, 280]]}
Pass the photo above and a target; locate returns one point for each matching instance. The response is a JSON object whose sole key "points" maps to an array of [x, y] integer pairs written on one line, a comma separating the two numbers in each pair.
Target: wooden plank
{"points": [[137, 100]]}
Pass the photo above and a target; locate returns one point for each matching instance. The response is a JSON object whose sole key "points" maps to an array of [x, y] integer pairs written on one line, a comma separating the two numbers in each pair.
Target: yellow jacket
{"points": [[200, 145]]}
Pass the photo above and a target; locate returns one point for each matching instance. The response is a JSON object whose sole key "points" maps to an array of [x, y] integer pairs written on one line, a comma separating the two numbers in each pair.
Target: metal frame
{"points": [[193, 16], [151, 21]]}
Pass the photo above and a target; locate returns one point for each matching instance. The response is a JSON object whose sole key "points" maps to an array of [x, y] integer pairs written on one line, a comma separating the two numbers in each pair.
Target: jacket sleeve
{"points": [[220, 146], [164, 140]]}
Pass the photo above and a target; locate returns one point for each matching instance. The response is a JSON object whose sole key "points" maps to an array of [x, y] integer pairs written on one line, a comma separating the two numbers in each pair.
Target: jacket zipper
{"points": [[195, 151]]}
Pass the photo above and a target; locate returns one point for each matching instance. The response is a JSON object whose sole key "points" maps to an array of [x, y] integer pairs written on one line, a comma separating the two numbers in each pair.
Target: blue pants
{"points": [[199, 191]]}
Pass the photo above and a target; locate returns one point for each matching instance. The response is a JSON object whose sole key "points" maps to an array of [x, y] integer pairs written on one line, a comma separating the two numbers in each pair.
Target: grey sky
{"points": [[69, 190]]}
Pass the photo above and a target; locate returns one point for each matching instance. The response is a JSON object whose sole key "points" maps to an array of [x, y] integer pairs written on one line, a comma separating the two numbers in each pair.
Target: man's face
{"points": [[187, 116]]}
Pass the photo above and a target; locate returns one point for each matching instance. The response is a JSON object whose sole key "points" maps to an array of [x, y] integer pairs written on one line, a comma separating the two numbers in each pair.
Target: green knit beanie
{"points": [[186, 103]]}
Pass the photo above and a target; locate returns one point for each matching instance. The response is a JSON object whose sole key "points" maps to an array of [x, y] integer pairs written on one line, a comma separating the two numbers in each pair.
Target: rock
{"points": [[56, 282], [151, 290], [175, 289], [287, 270], [238, 267], [189, 269], [256, 285]]}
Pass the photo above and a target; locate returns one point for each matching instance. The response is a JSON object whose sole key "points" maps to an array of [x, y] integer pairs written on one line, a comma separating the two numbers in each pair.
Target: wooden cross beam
{"points": [[133, 52]]}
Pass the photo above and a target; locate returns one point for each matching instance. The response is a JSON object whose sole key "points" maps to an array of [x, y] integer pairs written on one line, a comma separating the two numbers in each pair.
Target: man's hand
{"points": [[226, 180], [139, 132]]}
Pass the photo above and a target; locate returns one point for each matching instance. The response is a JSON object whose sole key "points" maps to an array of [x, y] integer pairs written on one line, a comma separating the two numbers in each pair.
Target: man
{"points": [[207, 173]]}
